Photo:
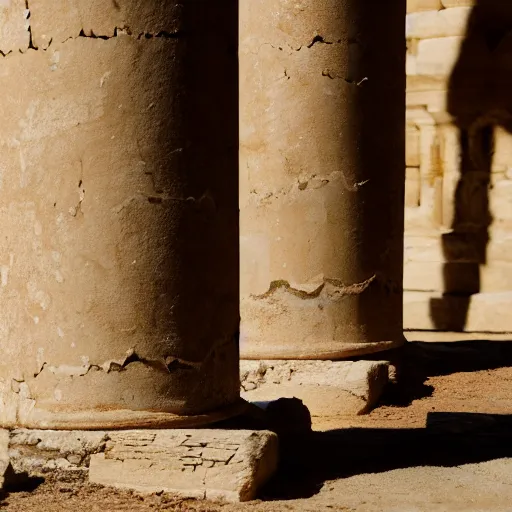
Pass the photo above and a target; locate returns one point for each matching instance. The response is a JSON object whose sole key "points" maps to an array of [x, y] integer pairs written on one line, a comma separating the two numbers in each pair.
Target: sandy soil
{"points": [[416, 452]]}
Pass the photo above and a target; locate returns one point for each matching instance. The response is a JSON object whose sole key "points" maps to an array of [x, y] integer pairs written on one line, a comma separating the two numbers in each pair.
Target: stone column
{"points": [[322, 177], [118, 213]]}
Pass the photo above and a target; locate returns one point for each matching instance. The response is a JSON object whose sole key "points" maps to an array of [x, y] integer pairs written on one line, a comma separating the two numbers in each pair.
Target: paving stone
{"points": [[211, 464]]}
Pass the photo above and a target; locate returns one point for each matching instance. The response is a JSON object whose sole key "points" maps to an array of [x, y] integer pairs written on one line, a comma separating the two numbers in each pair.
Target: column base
{"points": [[121, 419], [327, 388], [328, 351]]}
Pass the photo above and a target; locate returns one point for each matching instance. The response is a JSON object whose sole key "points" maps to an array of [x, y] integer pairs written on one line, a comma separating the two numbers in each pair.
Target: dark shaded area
{"points": [[421, 360], [20, 482], [479, 99], [310, 460]]}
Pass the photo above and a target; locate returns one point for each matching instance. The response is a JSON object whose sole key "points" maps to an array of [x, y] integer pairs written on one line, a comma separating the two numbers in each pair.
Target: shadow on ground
{"points": [[310, 460], [421, 360]]}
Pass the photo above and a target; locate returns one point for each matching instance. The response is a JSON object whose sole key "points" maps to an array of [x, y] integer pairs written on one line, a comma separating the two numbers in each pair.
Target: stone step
{"points": [[483, 312]]}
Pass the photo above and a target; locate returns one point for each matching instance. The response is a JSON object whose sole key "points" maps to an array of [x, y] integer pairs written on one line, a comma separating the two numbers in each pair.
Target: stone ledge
{"points": [[214, 464], [327, 388]]}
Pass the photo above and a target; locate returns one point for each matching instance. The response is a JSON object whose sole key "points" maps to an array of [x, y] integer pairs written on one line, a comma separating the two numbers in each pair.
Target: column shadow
{"points": [[449, 440], [422, 360], [479, 99]]}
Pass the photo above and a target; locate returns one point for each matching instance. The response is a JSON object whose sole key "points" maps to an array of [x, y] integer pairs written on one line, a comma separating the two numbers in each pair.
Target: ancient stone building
{"points": [[458, 212]]}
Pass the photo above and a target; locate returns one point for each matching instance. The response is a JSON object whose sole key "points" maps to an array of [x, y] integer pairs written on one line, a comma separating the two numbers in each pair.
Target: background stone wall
{"points": [[458, 218]]}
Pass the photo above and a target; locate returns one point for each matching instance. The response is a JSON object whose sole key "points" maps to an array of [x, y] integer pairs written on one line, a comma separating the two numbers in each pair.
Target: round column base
{"points": [[122, 419], [320, 351]]}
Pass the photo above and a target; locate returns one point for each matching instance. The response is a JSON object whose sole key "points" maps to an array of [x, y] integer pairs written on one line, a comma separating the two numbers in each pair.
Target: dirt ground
{"points": [[439, 441]]}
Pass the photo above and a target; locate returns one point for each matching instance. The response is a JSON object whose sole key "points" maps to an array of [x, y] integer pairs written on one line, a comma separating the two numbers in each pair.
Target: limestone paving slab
{"points": [[209, 464]]}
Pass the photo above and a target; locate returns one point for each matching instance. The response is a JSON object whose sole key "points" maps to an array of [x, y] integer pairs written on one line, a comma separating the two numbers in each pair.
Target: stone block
{"points": [[433, 100], [418, 116], [500, 245], [457, 3], [458, 247], [422, 248], [423, 5], [206, 464], [420, 221], [483, 312], [436, 57], [440, 276], [327, 388], [412, 187], [14, 26], [412, 147], [500, 202], [502, 157], [457, 277], [37, 452], [423, 83], [434, 24], [410, 64]]}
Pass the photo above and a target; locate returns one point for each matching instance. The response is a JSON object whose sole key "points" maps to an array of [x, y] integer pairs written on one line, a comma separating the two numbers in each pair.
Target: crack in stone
{"points": [[168, 365], [329, 74], [312, 182], [318, 39], [126, 31], [337, 288], [118, 31]]}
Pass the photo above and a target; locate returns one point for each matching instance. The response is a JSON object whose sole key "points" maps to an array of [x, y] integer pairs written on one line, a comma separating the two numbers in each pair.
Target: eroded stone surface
{"points": [[14, 26], [4, 455], [320, 279], [57, 21], [327, 388], [40, 451], [203, 464], [119, 215]]}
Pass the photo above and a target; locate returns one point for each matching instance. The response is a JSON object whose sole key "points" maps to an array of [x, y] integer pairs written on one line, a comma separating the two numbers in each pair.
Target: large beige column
{"points": [[322, 177], [118, 213]]}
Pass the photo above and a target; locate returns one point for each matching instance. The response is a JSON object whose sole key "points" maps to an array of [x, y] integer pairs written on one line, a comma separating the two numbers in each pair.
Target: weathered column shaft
{"points": [[119, 214], [322, 177]]}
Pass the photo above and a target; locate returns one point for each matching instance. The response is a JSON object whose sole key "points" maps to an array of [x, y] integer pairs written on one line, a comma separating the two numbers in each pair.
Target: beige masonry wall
{"points": [[458, 214]]}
